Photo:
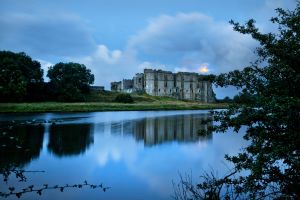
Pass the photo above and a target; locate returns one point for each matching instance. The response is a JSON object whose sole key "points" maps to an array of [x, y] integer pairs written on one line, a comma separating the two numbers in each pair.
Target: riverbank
{"points": [[104, 106]]}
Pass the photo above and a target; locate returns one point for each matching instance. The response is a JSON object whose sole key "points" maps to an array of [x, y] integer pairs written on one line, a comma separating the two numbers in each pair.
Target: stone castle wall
{"points": [[138, 82], [181, 85]]}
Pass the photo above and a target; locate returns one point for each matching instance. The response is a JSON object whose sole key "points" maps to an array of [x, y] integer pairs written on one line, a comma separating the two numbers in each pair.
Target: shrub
{"points": [[124, 98]]}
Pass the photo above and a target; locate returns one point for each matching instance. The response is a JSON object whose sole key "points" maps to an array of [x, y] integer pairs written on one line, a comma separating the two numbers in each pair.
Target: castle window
{"points": [[140, 80], [166, 84], [158, 90], [174, 83], [170, 91]]}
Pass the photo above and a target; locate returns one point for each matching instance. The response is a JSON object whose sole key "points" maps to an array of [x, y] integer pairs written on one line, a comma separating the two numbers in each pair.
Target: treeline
{"points": [[243, 98], [21, 80]]}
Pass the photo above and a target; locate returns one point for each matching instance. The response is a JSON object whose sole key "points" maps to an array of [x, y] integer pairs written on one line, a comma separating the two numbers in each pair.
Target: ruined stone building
{"points": [[181, 85]]}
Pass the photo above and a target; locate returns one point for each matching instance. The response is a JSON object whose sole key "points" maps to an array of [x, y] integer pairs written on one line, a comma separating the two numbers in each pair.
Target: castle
{"points": [[181, 85]]}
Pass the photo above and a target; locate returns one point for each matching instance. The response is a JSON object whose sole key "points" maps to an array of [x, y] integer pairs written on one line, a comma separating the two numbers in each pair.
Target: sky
{"points": [[118, 38]]}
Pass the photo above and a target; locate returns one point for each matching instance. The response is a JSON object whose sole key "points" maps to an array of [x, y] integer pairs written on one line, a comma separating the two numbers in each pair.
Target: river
{"points": [[138, 154]]}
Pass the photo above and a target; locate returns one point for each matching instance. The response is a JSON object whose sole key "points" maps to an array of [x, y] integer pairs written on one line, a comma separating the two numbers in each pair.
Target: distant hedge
{"points": [[124, 98]]}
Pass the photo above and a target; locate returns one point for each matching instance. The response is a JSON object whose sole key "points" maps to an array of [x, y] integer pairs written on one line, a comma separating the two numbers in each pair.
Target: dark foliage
{"points": [[70, 81], [209, 77], [244, 98], [18, 75], [124, 98], [269, 107], [225, 100]]}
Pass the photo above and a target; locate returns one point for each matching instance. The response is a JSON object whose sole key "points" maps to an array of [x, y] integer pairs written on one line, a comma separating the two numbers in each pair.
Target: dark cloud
{"points": [[190, 39], [44, 35]]}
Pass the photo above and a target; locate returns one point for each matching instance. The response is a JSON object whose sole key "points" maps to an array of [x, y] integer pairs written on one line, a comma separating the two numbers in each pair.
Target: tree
{"points": [[271, 115], [70, 81], [17, 73]]}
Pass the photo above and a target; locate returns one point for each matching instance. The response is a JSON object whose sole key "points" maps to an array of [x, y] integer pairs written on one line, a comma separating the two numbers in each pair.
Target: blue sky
{"points": [[118, 38]]}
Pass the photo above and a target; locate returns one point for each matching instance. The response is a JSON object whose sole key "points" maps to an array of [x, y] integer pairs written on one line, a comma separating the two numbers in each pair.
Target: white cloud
{"points": [[151, 65], [185, 42], [109, 65], [190, 39], [202, 68], [183, 69], [108, 56]]}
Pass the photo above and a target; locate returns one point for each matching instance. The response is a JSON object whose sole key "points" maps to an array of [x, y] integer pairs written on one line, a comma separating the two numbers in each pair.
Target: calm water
{"points": [[137, 154]]}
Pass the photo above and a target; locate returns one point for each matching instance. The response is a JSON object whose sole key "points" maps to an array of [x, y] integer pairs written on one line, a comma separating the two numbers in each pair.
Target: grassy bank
{"points": [[101, 106], [105, 102]]}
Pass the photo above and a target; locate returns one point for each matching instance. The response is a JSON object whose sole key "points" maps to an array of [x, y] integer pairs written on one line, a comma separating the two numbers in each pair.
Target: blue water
{"points": [[136, 153]]}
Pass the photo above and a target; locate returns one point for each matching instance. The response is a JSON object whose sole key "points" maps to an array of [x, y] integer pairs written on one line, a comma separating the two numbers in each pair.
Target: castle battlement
{"points": [[157, 71]]}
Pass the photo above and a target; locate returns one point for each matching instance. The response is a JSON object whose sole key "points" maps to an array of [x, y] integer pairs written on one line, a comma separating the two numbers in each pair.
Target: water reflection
{"points": [[153, 131], [23, 142], [20, 144], [70, 139], [138, 154]]}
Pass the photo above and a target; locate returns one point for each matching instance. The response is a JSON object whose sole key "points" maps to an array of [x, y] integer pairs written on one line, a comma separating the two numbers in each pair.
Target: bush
{"points": [[124, 98]]}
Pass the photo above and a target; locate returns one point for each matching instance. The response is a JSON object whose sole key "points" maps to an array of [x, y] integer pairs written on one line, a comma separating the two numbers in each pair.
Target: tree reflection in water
{"points": [[70, 139], [21, 143]]}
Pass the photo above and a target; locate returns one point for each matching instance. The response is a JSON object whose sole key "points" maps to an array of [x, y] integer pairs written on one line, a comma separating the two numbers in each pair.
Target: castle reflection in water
{"points": [[180, 128]]}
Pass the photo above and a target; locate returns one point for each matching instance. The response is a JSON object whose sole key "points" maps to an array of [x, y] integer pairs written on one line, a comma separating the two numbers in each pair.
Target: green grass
{"points": [[104, 101], [100, 106], [108, 96]]}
